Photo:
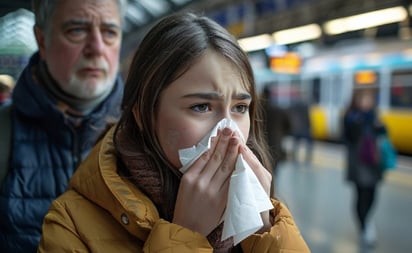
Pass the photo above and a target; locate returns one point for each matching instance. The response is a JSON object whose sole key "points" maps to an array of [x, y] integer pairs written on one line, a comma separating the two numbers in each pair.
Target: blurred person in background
{"points": [[361, 129], [300, 128], [129, 195], [277, 127], [6, 88], [64, 99]]}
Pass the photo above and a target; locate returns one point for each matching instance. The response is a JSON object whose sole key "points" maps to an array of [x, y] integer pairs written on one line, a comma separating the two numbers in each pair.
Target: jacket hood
{"points": [[98, 181]]}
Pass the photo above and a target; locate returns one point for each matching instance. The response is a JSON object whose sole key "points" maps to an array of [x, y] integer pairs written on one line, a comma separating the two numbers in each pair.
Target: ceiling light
{"points": [[256, 42], [365, 20], [297, 34]]}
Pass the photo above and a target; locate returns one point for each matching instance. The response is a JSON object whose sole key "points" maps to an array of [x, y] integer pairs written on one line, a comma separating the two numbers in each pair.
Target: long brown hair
{"points": [[166, 52]]}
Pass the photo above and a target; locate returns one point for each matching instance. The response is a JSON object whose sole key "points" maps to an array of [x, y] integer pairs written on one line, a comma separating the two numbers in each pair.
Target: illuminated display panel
{"points": [[366, 77], [289, 63]]}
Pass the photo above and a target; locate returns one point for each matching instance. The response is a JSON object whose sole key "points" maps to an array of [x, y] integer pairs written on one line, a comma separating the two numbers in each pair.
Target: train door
{"points": [[333, 103], [312, 85], [327, 96]]}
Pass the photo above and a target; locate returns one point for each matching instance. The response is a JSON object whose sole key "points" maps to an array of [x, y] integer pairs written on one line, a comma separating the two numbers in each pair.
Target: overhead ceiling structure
{"points": [[17, 20], [241, 17], [16, 29], [266, 20]]}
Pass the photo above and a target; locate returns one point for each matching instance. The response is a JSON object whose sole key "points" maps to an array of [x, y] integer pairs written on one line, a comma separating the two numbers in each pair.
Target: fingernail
{"points": [[227, 131], [234, 141]]}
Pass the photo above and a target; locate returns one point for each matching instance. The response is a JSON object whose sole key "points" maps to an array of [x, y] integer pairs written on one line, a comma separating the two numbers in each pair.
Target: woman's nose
{"points": [[226, 114]]}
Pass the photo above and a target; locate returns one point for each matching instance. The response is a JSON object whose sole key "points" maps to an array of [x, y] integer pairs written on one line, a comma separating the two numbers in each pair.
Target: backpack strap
{"points": [[5, 139]]}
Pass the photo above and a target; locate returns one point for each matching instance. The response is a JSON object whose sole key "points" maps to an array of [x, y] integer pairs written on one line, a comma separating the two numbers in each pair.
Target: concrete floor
{"points": [[322, 203]]}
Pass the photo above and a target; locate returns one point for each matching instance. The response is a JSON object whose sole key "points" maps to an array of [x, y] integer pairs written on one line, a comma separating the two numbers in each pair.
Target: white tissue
{"points": [[247, 198]]}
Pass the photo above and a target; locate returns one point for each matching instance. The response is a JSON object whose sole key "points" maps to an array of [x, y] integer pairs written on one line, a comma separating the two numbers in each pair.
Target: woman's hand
{"points": [[203, 191], [264, 177]]}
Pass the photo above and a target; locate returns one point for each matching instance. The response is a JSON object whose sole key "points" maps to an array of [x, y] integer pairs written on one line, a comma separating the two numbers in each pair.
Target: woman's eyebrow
{"points": [[217, 96], [242, 96], [204, 95]]}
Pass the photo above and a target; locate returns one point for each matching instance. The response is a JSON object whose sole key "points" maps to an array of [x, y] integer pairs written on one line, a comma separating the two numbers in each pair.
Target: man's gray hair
{"points": [[44, 10]]}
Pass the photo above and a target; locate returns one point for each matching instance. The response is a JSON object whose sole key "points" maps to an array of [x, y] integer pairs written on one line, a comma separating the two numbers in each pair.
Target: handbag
{"points": [[388, 154]]}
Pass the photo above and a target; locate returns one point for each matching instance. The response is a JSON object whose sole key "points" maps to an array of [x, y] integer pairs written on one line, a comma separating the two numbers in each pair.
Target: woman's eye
{"points": [[200, 108], [241, 108]]}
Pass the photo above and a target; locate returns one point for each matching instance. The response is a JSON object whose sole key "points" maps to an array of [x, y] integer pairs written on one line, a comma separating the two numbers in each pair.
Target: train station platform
{"points": [[321, 202]]}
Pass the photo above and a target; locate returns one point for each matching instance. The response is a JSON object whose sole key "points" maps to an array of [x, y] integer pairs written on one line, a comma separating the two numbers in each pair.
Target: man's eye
{"points": [[76, 33], [200, 108], [110, 35]]}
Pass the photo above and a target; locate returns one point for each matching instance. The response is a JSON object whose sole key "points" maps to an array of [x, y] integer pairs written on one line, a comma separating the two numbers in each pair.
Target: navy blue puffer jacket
{"points": [[47, 147]]}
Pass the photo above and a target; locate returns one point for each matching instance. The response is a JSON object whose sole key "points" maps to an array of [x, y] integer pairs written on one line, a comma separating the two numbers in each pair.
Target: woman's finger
{"points": [[225, 170], [217, 155], [263, 175]]}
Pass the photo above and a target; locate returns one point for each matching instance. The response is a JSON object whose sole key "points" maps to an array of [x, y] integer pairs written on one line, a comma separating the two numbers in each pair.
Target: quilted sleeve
{"points": [[172, 238], [59, 235], [284, 236]]}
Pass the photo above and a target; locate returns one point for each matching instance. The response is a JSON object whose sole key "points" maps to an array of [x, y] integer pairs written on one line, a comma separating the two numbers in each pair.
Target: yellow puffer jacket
{"points": [[103, 212]]}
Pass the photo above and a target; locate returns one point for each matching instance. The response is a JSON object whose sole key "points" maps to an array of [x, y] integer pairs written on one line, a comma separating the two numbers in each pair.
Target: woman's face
{"points": [[367, 101], [210, 90]]}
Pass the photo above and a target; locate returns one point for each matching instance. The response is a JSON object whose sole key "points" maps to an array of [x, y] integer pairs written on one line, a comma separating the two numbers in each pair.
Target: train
{"points": [[326, 80]]}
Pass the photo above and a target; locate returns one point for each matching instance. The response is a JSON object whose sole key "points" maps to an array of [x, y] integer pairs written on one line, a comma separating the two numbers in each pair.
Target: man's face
{"points": [[82, 46]]}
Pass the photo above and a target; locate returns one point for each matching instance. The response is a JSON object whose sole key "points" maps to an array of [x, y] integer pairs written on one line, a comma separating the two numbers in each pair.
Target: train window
{"points": [[335, 89], [315, 96], [401, 89]]}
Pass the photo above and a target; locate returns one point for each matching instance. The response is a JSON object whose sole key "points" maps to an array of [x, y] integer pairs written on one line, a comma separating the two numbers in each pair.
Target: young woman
{"points": [[129, 195]]}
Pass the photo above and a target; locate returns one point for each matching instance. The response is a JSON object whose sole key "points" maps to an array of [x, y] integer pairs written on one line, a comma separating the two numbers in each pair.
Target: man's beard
{"points": [[90, 87]]}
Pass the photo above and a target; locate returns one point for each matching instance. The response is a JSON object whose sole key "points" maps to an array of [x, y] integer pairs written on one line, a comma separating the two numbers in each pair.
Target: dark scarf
{"points": [[83, 106], [147, 178]]}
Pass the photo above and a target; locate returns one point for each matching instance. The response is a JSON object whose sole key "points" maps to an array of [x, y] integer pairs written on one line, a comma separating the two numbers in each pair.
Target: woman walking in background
{"points": [[361, 128]]}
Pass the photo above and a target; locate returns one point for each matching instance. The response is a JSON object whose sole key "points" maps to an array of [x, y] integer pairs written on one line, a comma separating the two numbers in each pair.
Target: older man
{"points": [[63, 101]]}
